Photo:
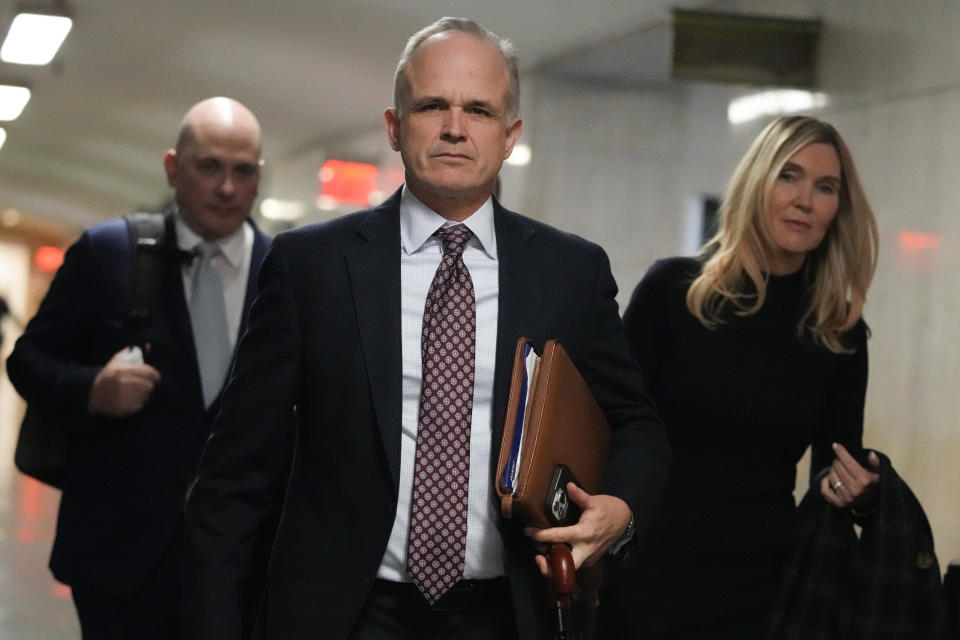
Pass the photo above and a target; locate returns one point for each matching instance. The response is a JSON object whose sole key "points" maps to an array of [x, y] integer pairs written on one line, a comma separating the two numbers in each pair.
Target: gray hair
{"points": [[443, 25]]}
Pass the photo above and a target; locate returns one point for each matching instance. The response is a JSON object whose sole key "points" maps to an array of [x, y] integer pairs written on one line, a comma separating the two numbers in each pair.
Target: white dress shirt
{"points": [[233, 265], [419, 258]]}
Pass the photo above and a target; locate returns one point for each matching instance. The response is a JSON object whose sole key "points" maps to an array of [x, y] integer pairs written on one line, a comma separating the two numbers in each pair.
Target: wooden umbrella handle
{"points": [[564, 573], [562, 586]]}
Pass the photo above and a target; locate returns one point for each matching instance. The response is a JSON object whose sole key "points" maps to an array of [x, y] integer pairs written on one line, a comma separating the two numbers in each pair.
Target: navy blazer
{"points": [[324, 335], [121, 508]]}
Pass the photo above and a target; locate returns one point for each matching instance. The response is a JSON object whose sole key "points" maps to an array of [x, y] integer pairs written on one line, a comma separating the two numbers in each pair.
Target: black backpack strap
{"points": [[148, 239]]}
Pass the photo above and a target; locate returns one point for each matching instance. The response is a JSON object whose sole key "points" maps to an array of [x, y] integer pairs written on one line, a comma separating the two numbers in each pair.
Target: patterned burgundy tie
{"points": [[438, 520]]}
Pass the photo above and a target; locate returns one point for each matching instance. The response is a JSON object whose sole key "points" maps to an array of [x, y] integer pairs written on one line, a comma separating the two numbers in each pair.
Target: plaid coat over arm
{"points": [[883, 586]]}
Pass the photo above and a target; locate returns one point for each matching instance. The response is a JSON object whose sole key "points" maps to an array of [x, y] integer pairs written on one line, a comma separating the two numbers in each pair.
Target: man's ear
{"points": [[170, 165], [514, 129], [392, 123]]}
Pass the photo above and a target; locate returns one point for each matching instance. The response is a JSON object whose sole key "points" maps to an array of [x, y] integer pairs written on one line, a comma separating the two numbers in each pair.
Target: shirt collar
{"points": [[418, 222], [231, 246]]}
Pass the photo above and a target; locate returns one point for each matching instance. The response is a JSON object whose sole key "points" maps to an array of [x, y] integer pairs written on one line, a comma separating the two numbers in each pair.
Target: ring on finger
{"points": [[836, 485]]}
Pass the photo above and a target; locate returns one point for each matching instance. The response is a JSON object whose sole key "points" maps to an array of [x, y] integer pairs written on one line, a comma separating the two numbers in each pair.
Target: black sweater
{"points": [[741, 404]]}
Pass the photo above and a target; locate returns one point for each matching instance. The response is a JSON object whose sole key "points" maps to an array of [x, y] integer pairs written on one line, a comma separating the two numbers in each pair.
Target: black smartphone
{"points": [[560, 510]]}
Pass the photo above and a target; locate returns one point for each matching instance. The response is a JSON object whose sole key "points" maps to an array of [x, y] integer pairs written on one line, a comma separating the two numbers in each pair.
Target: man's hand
{"points": [[122, 387], [603, 521]]}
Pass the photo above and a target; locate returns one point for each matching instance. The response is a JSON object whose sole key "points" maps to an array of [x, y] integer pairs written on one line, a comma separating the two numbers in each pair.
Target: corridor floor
{"points": [[33, 606]]}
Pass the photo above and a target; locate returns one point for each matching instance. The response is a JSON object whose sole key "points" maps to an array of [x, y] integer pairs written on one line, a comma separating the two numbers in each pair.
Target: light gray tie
{"points": [[208, 315]]}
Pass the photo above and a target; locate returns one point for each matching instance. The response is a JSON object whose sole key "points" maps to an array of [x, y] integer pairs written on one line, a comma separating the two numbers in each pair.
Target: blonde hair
{"points": [[736, 266]]}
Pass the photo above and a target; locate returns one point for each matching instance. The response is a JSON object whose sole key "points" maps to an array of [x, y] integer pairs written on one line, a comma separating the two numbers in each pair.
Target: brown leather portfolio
{"points": [[554, 431]]}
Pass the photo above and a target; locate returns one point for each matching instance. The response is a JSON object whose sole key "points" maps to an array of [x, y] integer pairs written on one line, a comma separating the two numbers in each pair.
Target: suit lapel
{"points": [[519, 306], [177, 315], [261, 242], [174, 300], [373, 267]]}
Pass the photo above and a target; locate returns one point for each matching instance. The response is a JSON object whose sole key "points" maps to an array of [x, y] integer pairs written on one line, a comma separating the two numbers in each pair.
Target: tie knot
{"points": [[454, 238], [206, 250]]}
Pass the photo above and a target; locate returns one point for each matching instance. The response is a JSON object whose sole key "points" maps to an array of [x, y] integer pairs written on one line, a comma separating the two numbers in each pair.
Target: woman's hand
{"points": [[850, 485]]}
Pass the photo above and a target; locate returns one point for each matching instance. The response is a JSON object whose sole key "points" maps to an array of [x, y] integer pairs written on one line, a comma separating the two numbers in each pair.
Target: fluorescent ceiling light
{"points": [[3, 137], [520, 156], [773, 103], [288, 210], [326, 203], [12, 101], [34, 38]]}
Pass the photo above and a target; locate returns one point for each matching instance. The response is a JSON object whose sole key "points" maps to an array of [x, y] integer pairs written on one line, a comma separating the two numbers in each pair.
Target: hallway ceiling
{"points": [[318, 74]]}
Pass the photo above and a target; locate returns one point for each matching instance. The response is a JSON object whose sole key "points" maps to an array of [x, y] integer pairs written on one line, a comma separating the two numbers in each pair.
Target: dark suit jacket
{"points": [[325, 335], [121, 508]]}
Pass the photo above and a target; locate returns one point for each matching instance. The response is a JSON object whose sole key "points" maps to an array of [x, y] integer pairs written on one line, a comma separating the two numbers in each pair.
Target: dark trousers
{"points": [[152, 612], [471, 610]]}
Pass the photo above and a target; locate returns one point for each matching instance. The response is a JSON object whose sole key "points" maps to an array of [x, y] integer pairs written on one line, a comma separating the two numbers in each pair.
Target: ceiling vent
{"points": [[745, 49]]}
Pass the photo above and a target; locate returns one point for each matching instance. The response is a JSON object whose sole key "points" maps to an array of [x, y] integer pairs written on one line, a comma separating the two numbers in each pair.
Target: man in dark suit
{"points": [[390, 527], [144, 414]]}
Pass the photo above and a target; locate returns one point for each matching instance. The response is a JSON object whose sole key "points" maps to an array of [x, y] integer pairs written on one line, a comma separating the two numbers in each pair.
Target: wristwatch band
{"points": [[625, 537]]}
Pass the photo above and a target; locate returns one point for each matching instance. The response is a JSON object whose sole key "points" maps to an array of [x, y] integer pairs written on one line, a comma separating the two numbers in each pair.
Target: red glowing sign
{"points": [[919, 241], [48, 258], [348, 182]]}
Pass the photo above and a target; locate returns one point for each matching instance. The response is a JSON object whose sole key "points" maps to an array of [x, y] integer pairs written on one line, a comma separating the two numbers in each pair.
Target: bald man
{"points": [[144, 421]]}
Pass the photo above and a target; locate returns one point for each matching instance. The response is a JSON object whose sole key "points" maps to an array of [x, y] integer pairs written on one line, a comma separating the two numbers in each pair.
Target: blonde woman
{"points": [[754, 350]]}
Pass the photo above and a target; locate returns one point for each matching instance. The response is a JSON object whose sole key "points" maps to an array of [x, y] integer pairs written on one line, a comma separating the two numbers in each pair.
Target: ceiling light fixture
{"points": [[773, 103], [12, 101], [286, 210], [35, 37]]}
